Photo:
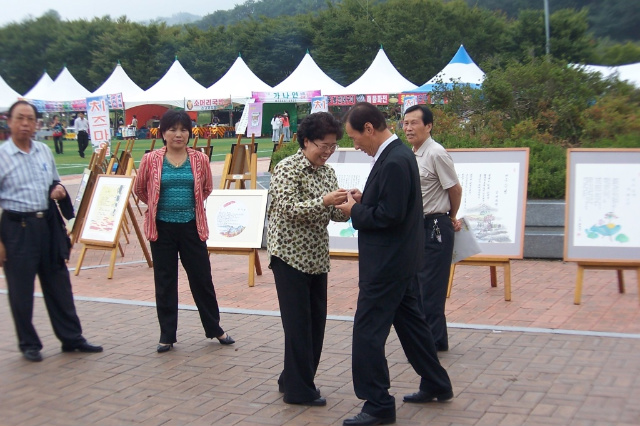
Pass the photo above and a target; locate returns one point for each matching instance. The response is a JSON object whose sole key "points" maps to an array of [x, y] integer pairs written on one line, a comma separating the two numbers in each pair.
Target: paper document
{"points": [[464, 243]]}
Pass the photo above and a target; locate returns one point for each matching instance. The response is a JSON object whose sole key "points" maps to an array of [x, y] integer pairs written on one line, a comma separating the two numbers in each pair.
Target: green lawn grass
{"points": [[70, 162]]}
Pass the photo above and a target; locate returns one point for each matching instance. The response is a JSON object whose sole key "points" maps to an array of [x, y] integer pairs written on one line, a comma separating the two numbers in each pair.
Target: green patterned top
{"points": [[177, 201], [298, 220]]}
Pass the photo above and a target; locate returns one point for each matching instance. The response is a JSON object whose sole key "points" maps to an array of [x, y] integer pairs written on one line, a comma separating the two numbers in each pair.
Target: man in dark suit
{"points": [[388, 215]]}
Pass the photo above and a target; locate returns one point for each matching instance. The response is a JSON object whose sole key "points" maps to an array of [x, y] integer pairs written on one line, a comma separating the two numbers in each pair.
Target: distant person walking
{"points": [[81, 125], [58, 134]]}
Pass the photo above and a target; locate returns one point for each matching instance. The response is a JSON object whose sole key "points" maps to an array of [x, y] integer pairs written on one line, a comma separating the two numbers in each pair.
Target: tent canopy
{"points": [[7, 95], [237, 83], [629, 73], [460, 70], [119, 82], [172, 89], [64, 88], [40, 87], [380, 77], [308, 76]]}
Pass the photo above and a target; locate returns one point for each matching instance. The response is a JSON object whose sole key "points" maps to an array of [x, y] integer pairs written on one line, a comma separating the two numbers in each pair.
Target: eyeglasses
{"points": [[326, 148]]}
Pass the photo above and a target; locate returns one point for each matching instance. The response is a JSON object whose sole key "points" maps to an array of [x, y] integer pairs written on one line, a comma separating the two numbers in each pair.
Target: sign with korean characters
{"points": [[285, 97], [98, 117]]}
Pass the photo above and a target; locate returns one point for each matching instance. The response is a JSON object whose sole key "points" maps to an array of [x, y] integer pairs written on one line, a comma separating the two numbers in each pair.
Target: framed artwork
{"points": [[236, 218], [106, 210], [602, 200], [494, 197], [77, 201]]}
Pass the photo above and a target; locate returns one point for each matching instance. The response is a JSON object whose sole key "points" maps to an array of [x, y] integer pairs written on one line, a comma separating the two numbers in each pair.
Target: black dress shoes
{"points": [[319, 402], [164, 348], [364, 419], [32, 355], [226, 340], [422, 396], [82, 347]]}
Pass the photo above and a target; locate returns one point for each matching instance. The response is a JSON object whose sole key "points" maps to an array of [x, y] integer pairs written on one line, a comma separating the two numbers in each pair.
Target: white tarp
{"points": [[7, 95], [237, 84], [172, 89], [64, 88], [308, 76], [40, 87], [380, 77], [119, 82], [460, 70]]}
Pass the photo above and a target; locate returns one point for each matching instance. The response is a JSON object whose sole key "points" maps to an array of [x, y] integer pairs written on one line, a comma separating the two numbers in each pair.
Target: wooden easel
{"points": [[238, 167], [619, 267], [492, 263], [241, 166], [206, 150], [117, 246]]}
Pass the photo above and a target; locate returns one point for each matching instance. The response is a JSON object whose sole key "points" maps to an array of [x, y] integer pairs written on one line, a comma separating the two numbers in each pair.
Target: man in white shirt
{"points": [[82, 131]]}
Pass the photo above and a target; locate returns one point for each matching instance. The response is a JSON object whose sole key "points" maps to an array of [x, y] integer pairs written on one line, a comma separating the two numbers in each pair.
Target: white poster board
{"points": [[106, 210], [236, 218], [494, 197], [352, 169], [603, 198]]}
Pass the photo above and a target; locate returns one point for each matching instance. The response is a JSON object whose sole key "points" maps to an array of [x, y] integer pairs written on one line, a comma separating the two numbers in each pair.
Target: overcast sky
{"points": [[136, 10]]}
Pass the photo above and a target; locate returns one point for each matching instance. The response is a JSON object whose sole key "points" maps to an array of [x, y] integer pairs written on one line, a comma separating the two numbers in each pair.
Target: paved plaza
{"points": [[536, 360]]}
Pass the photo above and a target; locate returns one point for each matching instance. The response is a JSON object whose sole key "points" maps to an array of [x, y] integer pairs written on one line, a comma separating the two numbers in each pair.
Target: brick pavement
{"points": [[503, 371]]}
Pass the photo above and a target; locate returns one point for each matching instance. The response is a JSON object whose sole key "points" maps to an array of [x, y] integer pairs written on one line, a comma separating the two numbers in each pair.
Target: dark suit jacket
{"points": [[389, 217]]}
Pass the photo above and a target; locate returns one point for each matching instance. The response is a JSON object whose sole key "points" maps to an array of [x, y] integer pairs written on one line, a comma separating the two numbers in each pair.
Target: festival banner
{"points": [[423, 98], [408, 101], [379, 99], [114, 101], [342, 100], [206, 104], [319, 104], [254, 125], [285, 97], [98, 116]]}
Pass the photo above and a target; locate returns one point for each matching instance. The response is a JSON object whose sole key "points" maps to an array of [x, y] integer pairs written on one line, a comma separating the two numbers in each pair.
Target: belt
{"points": [[19, 216], [434, 216]]}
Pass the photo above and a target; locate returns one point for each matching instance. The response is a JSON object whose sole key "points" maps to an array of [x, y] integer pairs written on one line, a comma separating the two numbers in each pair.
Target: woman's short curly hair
{"points": [[318, 125], [171, 118]]}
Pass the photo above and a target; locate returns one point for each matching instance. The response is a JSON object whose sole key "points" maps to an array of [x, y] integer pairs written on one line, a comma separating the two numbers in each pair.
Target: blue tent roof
{"points": [[460, 70]]}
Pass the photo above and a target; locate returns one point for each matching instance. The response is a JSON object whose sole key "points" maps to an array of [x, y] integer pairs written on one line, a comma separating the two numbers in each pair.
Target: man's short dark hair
{"points": [[173, 117], [22, 102], [427, 115], [362, 113], [317, 126]]}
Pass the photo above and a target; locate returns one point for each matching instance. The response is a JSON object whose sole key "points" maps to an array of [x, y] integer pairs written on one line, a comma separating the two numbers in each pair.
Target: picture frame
{"points": [[108, 202], [236, 218], [495, 211], [602, 199]]}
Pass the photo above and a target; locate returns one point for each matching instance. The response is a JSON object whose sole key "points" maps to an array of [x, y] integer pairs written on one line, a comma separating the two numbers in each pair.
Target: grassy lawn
{"points": [[70, 162]]}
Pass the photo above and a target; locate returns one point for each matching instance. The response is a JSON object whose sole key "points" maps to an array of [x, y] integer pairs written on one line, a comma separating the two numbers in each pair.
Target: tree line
{"points": [[343, 37]]}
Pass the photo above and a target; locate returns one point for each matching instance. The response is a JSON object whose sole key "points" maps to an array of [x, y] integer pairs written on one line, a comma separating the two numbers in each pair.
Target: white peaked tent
{"points": [[7, 95], [64, 88], [380, 77], [119, 82], [172, 89], [461, 70], [309, 76], [237, 84], [40, 87], [629, 73]]}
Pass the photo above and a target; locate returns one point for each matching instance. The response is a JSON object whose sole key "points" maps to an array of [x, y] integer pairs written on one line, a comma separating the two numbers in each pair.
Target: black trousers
{"points": [[83, 142], [183, 239], [57, 142], [433, 277], [303, 310], [380, 305], [27, 242]]}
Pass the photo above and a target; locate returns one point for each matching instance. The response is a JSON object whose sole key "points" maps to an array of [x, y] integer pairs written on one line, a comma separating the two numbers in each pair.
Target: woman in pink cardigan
{"points": [[174, 182]]}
